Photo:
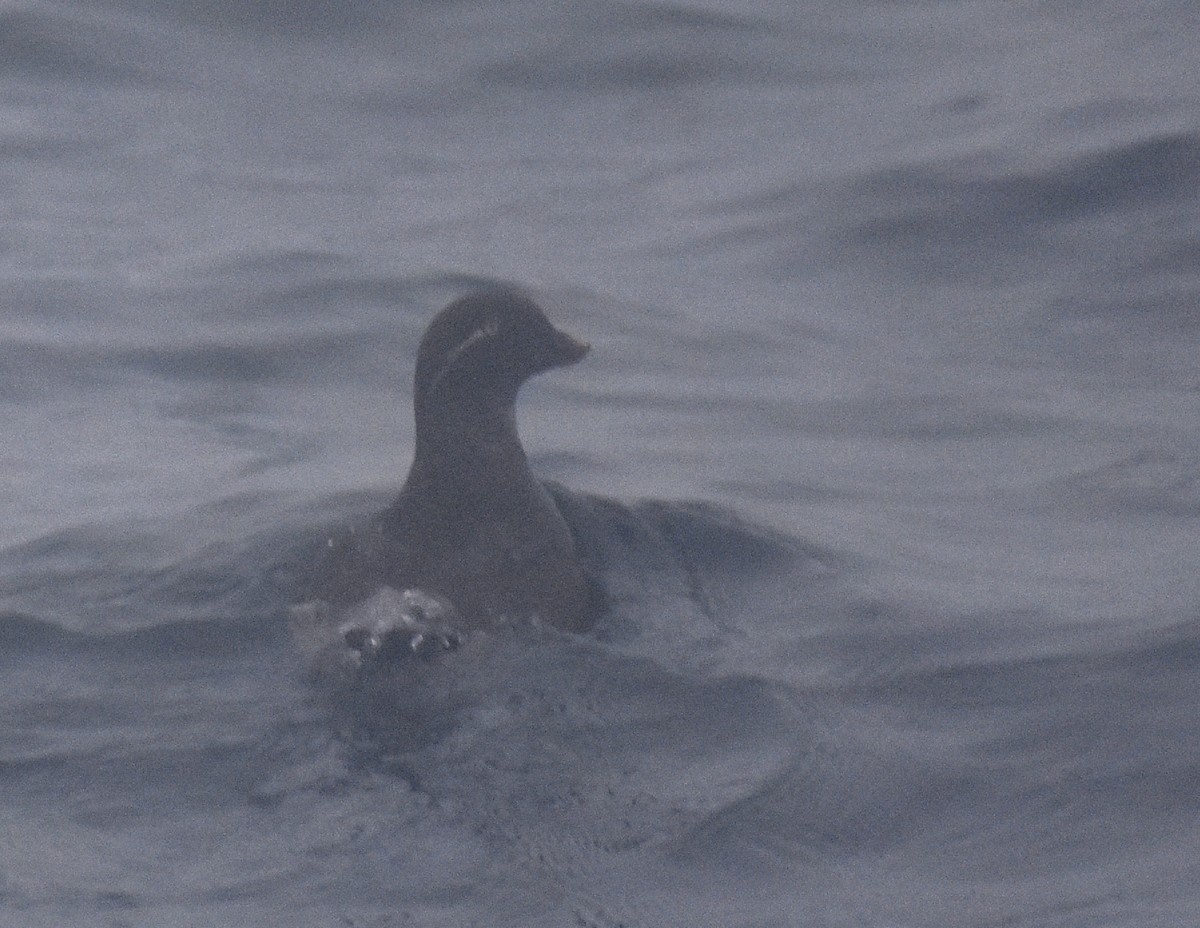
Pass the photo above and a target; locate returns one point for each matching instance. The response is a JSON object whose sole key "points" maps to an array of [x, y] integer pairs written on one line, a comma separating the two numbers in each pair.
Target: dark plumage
{"points": [[471, 523]]}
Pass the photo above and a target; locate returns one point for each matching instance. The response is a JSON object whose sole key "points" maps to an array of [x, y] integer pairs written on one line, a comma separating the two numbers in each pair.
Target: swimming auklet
{"points": [[472, 526]]}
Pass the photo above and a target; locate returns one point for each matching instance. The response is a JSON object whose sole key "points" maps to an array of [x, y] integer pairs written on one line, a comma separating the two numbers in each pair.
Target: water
{"points": [[906, 292]]}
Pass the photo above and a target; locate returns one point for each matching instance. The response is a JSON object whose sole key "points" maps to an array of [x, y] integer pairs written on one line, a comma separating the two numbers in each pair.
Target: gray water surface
{"points": [[907, 293]]}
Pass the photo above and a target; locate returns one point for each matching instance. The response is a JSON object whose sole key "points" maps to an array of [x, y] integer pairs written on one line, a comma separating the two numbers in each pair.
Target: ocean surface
{"points": [[888, 445]]}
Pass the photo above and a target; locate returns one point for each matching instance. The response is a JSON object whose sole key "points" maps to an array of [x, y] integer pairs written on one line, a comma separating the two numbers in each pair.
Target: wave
{"points": [[23, 636], [72, 44], [970, 218]]}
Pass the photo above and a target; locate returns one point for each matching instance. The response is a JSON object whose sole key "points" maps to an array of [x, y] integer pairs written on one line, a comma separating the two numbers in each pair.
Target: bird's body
{"points": [[472, 524]]}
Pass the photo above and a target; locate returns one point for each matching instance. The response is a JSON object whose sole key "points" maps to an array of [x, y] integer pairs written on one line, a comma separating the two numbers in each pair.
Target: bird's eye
{"points": [[481, 333]]}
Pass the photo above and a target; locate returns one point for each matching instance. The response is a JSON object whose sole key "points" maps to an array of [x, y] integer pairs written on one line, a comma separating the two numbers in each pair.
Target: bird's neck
{"points": [[469, 448]]}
